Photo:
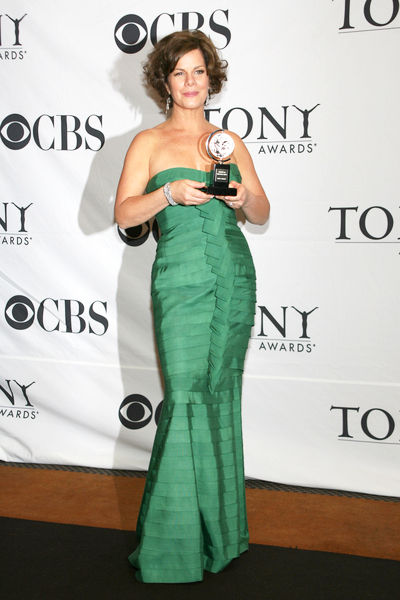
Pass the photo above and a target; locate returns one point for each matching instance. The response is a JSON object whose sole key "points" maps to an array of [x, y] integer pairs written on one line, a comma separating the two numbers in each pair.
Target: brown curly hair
{"points": [[166, 53]]}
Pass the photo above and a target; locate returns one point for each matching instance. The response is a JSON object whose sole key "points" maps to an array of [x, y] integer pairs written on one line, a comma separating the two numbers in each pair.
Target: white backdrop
{"points": [[313, 89]]}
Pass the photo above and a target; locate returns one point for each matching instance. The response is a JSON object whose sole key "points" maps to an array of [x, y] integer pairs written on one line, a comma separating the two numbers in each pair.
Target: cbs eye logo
{"points": [[136, 412], [19, 312], [15, 132], [130, 34], [136, 236]]}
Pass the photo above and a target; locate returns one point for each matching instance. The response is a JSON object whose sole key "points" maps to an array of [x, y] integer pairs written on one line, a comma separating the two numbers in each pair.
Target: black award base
{"points": [[219, 191], [220, 186]]}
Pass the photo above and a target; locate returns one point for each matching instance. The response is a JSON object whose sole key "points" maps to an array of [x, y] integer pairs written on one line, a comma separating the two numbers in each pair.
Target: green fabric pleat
{"points": [[193, 511]]}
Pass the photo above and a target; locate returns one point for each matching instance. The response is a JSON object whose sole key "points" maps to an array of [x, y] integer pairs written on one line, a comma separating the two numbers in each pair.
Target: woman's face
{"points": [[188, 83]]}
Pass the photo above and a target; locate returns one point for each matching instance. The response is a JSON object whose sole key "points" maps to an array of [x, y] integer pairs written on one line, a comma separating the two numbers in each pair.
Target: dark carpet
{"points": [[41, 561]]}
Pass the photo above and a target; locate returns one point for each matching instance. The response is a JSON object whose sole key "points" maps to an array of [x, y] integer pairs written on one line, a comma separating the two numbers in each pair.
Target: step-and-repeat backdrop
{"points": [[313, 90]]}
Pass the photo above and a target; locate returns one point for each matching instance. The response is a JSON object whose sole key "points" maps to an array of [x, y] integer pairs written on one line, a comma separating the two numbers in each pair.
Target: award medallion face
{"points": [[220, 146]]}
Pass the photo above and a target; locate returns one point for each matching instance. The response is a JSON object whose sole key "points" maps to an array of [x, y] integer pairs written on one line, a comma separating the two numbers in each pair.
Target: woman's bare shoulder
{"points": [[144, 139], [142, 146]]}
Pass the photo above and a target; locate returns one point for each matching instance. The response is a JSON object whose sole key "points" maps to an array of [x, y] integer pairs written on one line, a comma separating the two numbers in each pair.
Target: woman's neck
{"points": [[189, 120]]}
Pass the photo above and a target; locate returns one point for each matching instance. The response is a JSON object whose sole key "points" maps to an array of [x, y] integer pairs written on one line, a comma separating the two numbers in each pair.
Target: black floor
{"points": [[43, 561]]}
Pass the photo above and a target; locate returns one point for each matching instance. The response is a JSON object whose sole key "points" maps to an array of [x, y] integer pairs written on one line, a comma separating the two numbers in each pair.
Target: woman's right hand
{"points": [[188, 192]]}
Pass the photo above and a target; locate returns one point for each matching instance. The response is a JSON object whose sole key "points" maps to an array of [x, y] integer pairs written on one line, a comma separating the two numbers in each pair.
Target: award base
{"points": [[220, 186], [215, 190]]}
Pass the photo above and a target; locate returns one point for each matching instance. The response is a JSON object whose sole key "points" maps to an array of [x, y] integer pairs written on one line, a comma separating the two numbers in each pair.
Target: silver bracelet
{"points": [[168, 195]]}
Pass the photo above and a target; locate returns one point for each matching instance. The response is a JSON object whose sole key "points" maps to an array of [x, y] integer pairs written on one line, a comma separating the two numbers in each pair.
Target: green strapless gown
{"points": [[193, 511]]}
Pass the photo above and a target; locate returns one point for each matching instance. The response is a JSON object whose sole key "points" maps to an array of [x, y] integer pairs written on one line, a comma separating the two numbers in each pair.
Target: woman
{"points": [[193, 513]]}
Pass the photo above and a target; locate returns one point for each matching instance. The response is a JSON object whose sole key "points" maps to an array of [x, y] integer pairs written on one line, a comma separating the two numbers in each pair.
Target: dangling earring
{"points": [[168, 103], [207, 99]]}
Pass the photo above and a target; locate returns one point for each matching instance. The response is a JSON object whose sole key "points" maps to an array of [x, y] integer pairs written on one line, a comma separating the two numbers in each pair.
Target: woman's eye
{"points": [[200, 71], [179, 73]]}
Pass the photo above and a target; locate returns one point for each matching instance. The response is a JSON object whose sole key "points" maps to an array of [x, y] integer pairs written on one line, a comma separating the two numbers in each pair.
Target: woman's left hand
{"points": [[238, 201]]}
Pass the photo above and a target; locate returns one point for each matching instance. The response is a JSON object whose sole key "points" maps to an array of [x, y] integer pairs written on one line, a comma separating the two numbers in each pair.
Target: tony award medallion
{"points": [[220, 147]]}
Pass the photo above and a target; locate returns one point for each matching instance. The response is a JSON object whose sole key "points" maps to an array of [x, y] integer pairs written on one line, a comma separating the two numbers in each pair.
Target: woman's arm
{"points": [[132, 205], [251, 197]]}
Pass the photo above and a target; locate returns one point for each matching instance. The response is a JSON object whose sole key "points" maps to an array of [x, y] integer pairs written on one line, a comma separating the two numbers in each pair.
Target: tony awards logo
{"points": [[220, 146]]}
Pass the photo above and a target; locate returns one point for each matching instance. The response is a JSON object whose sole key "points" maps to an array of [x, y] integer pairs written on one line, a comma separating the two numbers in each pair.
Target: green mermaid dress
{"points": [[193, 511]]}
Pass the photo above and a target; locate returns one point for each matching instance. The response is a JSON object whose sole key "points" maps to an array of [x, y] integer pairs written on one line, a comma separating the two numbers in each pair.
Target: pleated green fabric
{"points": [[193, 511]]}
